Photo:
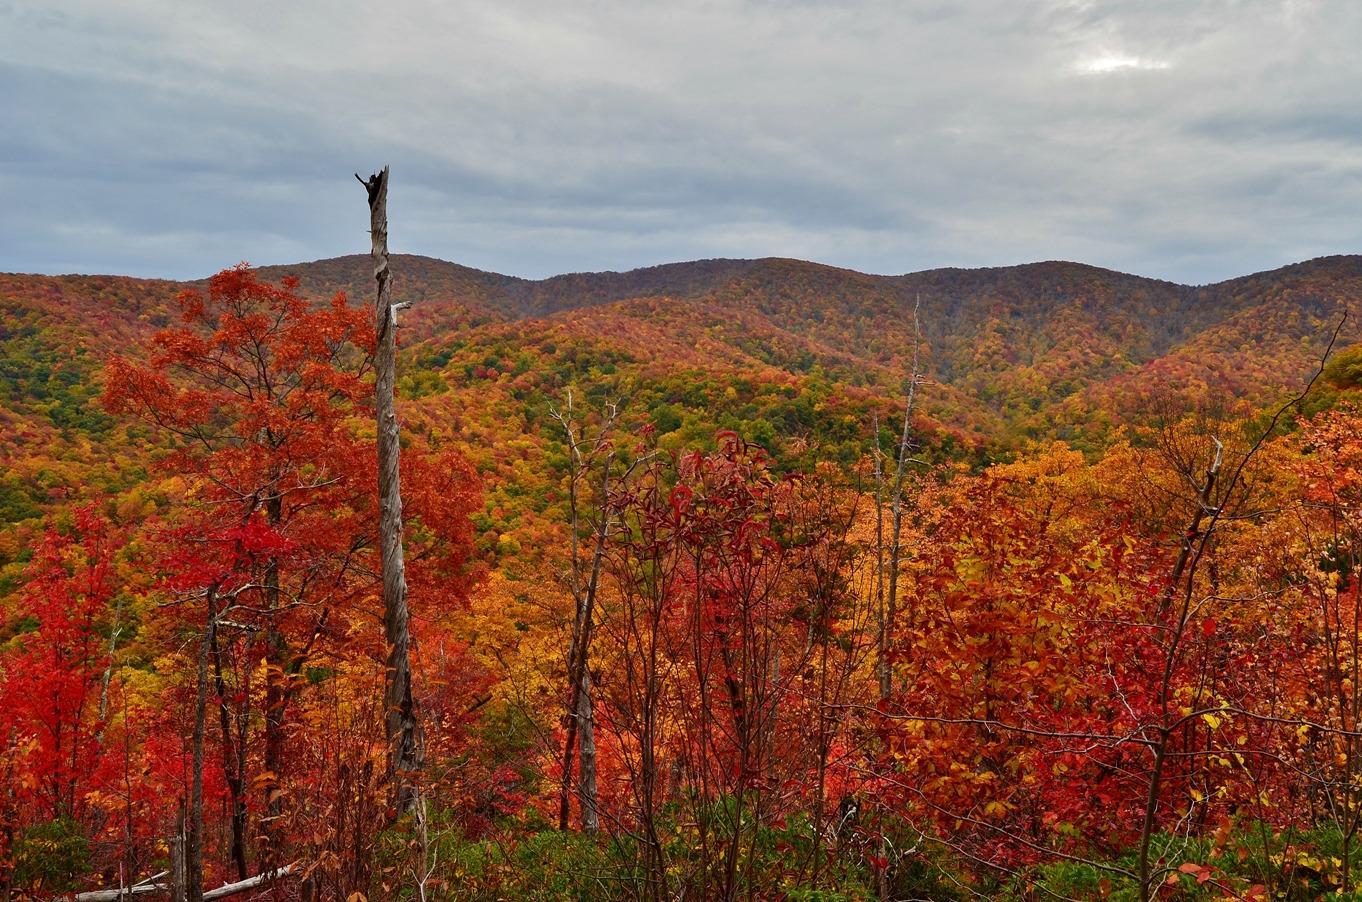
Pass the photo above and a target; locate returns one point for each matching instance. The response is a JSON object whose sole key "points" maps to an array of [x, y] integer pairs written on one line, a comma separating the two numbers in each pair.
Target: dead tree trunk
{"points": [[403, 732], [150, 887], [586, 786], [580, 724], [890, 609], [178, 881], [579, 718], [887, 596]]}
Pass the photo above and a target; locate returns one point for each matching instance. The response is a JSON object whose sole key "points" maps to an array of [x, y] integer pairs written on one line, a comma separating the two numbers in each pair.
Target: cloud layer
{"points": [[1191, 141]]}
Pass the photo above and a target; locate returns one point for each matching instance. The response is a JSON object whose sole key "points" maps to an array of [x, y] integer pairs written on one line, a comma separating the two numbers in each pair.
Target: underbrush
{"points": [[526, 859]]}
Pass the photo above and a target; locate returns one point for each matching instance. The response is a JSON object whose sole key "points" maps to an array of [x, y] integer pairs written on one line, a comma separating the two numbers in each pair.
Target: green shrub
{"points": [[48, 858]]}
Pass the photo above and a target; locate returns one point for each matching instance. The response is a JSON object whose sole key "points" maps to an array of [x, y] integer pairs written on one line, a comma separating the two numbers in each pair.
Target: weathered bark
{"points": [[109, 668], [586, 786], [581, 728], [403, 732], [177, 875], [241, 886]]}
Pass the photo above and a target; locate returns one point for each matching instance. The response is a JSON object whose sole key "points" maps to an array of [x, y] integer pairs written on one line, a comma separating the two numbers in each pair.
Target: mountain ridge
{"points": [[1038, 351], [1053, 262], [486, 294]]}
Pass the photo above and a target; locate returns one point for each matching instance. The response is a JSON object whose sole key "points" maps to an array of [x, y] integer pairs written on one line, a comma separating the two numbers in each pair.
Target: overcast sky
{"points": [[1187, 140]]}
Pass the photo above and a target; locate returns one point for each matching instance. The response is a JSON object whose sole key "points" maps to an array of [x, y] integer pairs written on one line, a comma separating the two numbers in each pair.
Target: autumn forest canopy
{"points": [[732, 579]]}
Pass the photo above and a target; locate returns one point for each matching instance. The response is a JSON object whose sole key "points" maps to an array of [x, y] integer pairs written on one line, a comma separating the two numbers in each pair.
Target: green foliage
{"points": [[51, 857], [1344, 369], [528, 859], [547, 864], [40, 371], [17, 500], [420, 383], [1282, 865]]}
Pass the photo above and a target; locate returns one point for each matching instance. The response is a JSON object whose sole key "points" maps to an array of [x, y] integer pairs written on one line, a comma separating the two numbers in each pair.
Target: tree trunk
{"points": [[888, 600], [178, 882], [193, 830], [579, 725], [404, 738], [150, 886], [586, 787], [273, 836], [233, 763]]}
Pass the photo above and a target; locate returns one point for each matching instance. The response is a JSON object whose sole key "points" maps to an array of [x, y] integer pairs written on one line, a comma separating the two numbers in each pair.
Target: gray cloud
{"points": [[1192, 141]]}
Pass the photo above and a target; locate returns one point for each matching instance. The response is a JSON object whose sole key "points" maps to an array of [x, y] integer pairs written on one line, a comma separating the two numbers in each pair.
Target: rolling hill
{"points": [[791, 353]]}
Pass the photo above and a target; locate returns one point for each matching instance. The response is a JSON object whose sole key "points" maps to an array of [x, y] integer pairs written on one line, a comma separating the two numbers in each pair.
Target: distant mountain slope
{"points": [[1012, 336], [426, 279], [1041, 350]]}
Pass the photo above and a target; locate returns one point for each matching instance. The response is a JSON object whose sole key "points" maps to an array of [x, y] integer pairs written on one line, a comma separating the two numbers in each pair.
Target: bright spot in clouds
{"points": [[1117, 62]]}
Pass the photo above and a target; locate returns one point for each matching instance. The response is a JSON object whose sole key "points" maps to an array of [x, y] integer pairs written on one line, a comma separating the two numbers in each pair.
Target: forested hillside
{"points": [[729, 579], [1016, 353]]}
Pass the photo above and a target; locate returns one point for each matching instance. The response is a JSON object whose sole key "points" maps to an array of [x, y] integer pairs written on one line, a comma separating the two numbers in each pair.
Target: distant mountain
{"points": [[1045, 350], [1040, 350], [1032, 308]]}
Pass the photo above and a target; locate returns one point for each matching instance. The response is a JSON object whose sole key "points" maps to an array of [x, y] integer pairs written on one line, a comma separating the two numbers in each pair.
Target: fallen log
{"points": [[222, 892], [148, 885], [231, 889], [113, 895]]}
